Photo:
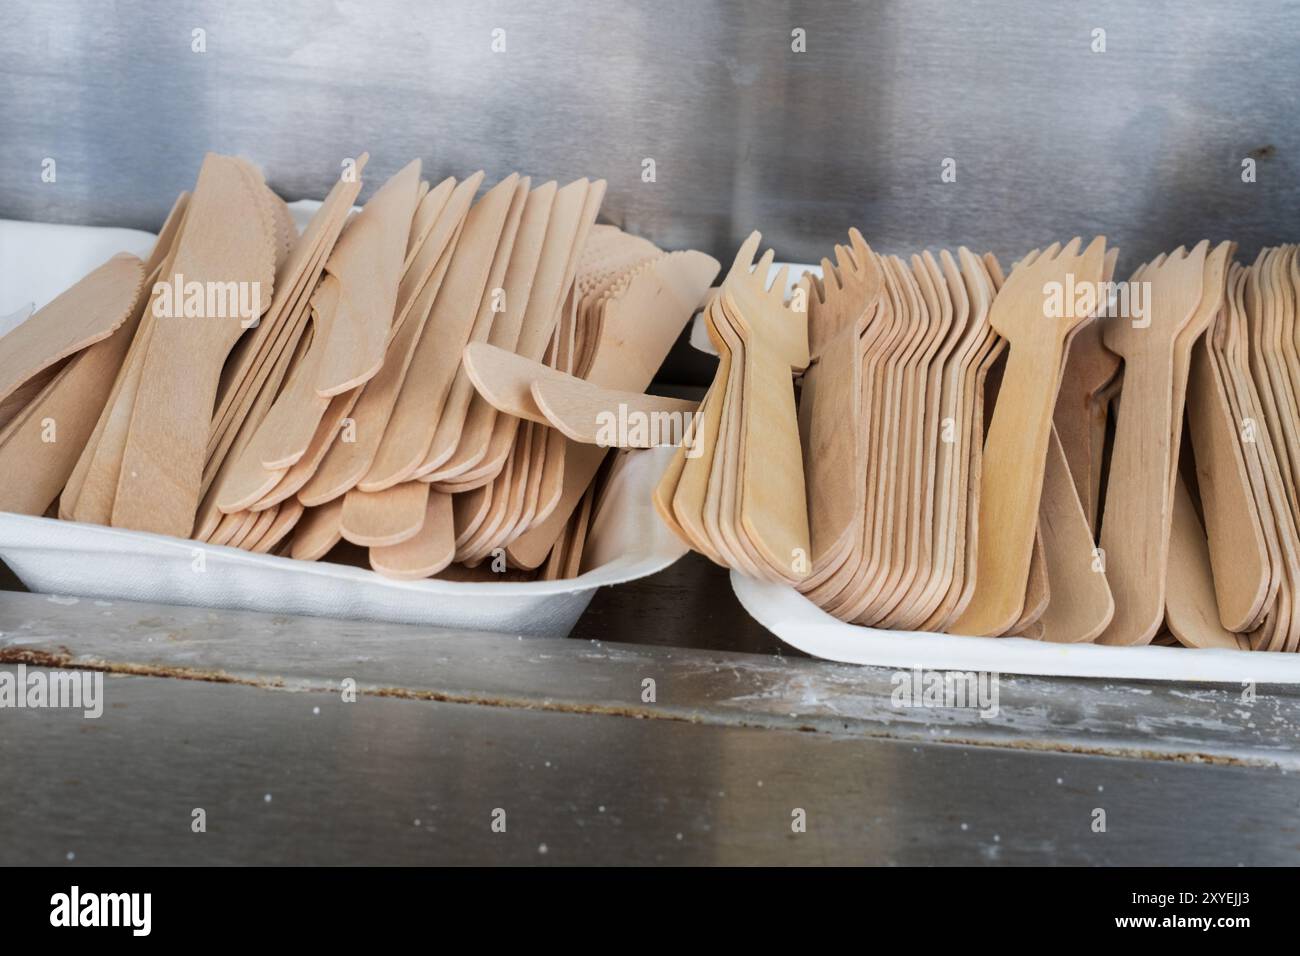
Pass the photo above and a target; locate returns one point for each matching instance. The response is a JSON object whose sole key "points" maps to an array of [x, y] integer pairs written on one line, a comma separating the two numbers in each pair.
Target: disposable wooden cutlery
{"points": [[1015, 450], [1139, 493], [332, 403], [447, 382]]}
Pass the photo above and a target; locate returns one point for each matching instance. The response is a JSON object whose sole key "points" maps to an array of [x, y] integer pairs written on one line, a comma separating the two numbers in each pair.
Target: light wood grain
{"points": [[228, 237], [368, 262], [1080, 603], [1138, 493], [88, 312], [436, 359], [382, 518], [1191, 611], [1016, 447]]}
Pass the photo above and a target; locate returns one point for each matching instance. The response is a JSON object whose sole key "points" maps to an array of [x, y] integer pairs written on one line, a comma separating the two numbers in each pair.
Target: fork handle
{"points": [[1135, 534], [834, 487], [1011, 484]]}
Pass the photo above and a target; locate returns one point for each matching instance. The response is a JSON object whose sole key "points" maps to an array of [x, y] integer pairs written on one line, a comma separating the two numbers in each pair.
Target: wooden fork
{"points": [[1015, 451]]}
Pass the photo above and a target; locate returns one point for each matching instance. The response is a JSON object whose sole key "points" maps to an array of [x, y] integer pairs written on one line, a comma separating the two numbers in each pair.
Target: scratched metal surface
{"points": [[1143, 142], [219, 709], [1141, 720], [305, 778]]}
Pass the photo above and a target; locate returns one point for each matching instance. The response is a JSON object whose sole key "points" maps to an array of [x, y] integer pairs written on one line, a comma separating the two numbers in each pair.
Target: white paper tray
{"points": [[626, 541], [801, 624]]}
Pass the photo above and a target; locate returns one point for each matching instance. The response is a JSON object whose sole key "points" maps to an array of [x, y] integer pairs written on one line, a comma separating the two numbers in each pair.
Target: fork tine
{"points": [[861, 251], [1094, 256], [830, 278], [745, 254], [764, 266], [1071, 248], [844, 258], [779, 283], [817, 284], [808, 283]]}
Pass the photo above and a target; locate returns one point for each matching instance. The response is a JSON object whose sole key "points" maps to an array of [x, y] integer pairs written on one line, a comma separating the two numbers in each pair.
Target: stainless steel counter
{"points": [[242, 715], [1049, 135]]}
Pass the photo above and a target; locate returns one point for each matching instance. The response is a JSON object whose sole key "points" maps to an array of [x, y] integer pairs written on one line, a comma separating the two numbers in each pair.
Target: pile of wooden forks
{"points": [[1004, 456]]}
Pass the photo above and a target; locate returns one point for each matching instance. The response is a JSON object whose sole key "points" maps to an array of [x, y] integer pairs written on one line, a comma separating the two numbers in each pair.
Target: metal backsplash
{"points": [[1143, 142]]}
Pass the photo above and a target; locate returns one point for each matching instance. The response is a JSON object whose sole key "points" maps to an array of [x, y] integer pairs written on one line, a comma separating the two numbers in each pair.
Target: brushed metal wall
{"points": [[1143, 142]]}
